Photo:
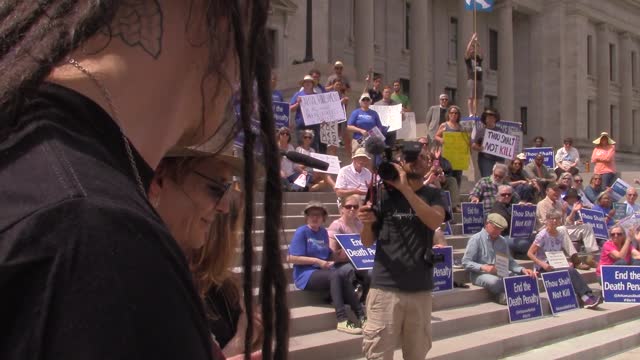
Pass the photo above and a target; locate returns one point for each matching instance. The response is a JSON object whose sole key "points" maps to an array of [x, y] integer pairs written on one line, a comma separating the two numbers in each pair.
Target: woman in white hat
{"points": [[307, 84], [362, 120], [604, 158]]}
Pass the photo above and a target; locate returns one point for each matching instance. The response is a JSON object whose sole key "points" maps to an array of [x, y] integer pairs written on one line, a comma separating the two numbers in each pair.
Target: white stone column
{"points": [[602, 71], [420, 20], [363, 37], [506, 88], [625, 134]]}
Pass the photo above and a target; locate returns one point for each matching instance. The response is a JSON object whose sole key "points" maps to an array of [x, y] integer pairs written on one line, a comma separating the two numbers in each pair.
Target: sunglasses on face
{"points": [[577, 180], [614, 234], [216, 188], [307, 137], [351, 207], [506, 194]]}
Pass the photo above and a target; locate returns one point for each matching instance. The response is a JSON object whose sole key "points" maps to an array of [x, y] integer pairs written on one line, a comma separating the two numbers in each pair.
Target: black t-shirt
{"points": [[375, 95], [87, 268], [443, 116], [402, 243], [224, 313], [474, 62]]}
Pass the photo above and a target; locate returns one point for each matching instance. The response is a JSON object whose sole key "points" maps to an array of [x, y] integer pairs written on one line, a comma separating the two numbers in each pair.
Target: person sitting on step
{"points": [[314, 270], [480, 258], [550, 239]]}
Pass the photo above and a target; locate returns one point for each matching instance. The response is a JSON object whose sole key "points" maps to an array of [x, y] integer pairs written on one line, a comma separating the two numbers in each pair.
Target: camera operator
{"points": [[403, 224]]}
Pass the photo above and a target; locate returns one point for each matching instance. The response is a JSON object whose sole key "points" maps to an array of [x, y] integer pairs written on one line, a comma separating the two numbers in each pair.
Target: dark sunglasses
{"points": [[217, 189], [577, 180], [616, 234], [307, 137], [506, 194], [351, 207]]}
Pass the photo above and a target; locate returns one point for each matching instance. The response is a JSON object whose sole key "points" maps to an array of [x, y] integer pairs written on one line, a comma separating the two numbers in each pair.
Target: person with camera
{"points": [[402, 223]]}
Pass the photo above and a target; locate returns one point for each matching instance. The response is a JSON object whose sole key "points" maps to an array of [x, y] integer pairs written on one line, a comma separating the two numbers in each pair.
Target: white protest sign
{"points": [[502, 265], [334, 163], [375, 132], [499, 144], [408, 130], [320, 108], [301, 181], [390, 115], [557, 259], [329, 133]]}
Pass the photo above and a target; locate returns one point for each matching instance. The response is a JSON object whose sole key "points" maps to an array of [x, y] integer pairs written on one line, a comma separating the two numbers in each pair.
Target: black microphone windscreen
{"points": [[374, 145], [306, 160]]}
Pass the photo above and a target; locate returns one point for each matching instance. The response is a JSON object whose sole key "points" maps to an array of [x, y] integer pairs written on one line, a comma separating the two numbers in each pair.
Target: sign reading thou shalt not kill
{"points": [[523, 220], [562, 296]]}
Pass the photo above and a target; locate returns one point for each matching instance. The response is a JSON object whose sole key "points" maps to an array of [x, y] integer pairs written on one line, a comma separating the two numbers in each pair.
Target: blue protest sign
{"points": [[472, 218], [620, 284], [280, 114], [361, 257], [621, 211], [619, 189], [446, 198], [443, 271], [559, 288], [595, 218], [523, 298], [547, 152], [478, 5], [523, 221]]}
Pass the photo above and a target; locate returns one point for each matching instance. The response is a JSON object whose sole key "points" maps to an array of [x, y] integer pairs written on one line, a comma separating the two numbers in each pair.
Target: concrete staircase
{"points": [[466, 323]]}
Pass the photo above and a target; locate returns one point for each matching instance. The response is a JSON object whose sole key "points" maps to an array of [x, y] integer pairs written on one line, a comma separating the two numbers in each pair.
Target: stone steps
{"points": [[593, 345]]}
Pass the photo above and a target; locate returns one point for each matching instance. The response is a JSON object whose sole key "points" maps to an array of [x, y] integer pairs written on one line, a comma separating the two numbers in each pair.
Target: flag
{"points": [[480, 5]]}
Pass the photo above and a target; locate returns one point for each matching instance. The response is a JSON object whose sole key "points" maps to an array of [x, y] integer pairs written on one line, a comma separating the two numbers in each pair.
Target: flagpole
{"points": [[475, 65]]}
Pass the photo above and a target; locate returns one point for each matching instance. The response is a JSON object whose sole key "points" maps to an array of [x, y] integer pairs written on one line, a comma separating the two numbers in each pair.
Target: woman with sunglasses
{"points": [[522, 182], [619, 249], [593, 190], [451, 125], [290, 171], [605, 206], [314, 270], [362, 120], [193, 193], [578, 186]]}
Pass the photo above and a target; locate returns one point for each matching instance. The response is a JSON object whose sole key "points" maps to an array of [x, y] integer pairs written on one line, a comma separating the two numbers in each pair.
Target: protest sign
{"points": [[619, 190], [390, 116], [443, 271], [595, 218], [329, 133], [560, 291], [320, 108], [280, 114], [523, 298], [620, 284], [446, 198], [408, 130], [499, 144], [455, 148], [512, 128], [502, 264], [547, 152], [301, 181], [334, 163], [621, 211], [375, 132], [523, 221], [557, 259], [361, 257], [472, 218]]}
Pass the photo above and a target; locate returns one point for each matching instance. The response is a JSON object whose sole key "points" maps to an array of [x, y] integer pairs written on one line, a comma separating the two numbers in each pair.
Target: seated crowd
{"points": [[557, 193]]}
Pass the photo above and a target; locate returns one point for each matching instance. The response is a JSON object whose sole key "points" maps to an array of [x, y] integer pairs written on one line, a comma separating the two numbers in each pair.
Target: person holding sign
{"points": [[318, 180], [483, 253], [550, 239], [452, 125], [567, 158], [489, 119], [313, 267], [605, 206], [399, 301], [307, 89], [619, 250], [362, 120], [387, 101]]}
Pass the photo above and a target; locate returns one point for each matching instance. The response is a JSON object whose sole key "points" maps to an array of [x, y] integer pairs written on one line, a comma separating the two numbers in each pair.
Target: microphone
{"points": [[305, 160], [374, 145]]}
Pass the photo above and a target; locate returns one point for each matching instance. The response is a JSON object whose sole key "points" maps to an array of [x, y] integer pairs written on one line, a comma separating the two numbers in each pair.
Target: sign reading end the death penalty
{"points": [[361, 257], [499, 144], [620, 284]]}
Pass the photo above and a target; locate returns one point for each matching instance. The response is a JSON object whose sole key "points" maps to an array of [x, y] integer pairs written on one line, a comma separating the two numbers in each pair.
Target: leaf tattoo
{"points": [[139, 23]]}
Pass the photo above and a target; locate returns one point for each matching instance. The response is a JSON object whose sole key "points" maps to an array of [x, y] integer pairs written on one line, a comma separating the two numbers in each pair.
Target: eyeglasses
{"points": [[366, 99], [553, 219], [216, 188], [307, 137], [567, 143], [614, 234], [285, 133], [498, 176], [424, 144], [632, 195], [444, 99], [506, 194], [351, 207], [454, 112], [577, 180]]}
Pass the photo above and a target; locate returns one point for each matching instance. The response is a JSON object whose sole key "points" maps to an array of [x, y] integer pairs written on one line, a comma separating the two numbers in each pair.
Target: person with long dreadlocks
{"points": [[92, 95]]}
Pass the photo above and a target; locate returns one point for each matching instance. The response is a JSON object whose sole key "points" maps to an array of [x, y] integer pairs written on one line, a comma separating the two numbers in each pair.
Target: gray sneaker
{"points": [[349, 327]]}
